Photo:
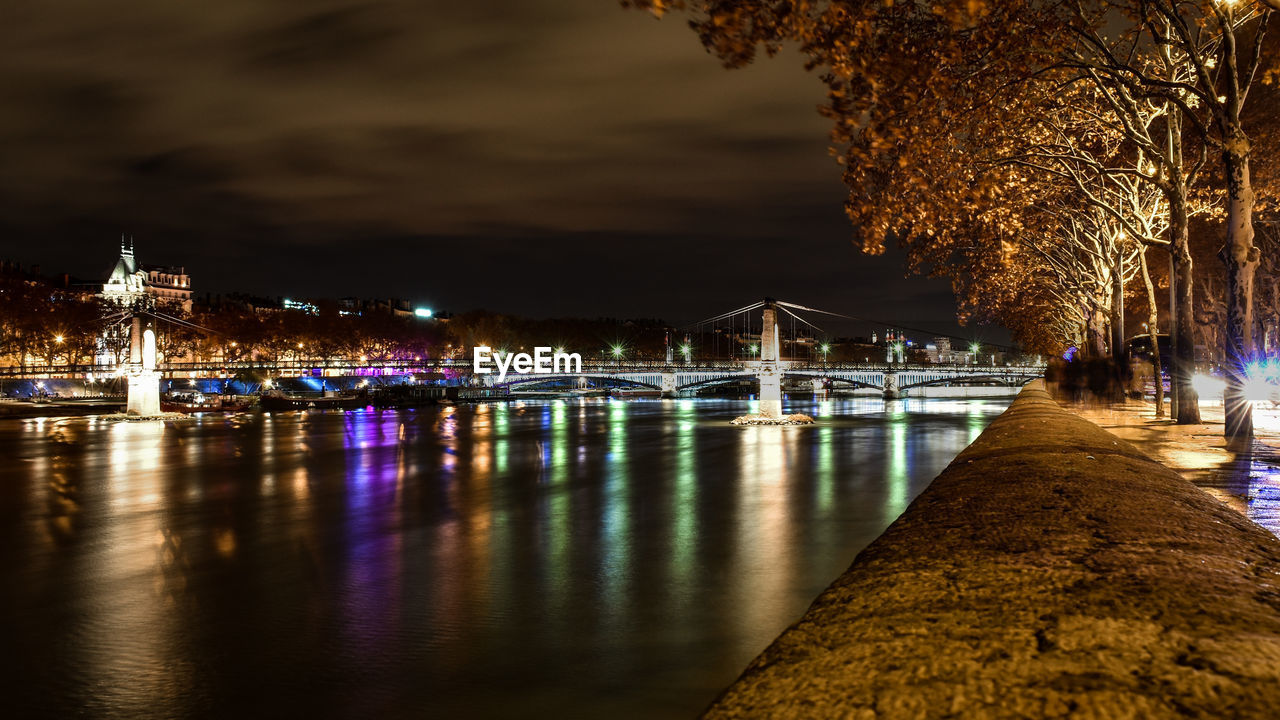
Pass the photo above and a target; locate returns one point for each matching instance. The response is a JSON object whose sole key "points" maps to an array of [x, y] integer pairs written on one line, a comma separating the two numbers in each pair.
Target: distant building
{"points": [[131, 282], [397, 307], [303, 306], [939, 351], [241, 301]]}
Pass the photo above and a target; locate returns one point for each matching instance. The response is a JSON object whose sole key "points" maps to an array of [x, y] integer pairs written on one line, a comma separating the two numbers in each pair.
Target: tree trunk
{"points": [[1097, 334], [1153, 322], [1183, 321], [1241, 258], [1120, 372], [1117, 310]]}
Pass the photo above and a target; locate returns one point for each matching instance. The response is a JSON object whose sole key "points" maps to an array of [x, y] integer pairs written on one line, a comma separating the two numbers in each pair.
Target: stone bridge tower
{"points": [[770, 373]]}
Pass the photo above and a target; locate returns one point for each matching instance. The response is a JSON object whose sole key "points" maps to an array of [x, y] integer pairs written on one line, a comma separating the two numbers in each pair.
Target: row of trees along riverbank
{"points": [[1054, 158], [44, 324]]}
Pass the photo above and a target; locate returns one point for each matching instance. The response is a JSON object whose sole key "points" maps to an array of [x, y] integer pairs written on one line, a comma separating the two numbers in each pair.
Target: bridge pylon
{"points": [[770, 375], [891, 391], [670, 384], [144, 379]]}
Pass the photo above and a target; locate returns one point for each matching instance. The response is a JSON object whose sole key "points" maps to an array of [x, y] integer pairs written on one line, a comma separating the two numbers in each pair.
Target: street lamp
{"points": [[686, 351], [973, 349]]}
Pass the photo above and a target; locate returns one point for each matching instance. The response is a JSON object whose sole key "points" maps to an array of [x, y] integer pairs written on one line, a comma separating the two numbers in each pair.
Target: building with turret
{"points": [[131, 282]]}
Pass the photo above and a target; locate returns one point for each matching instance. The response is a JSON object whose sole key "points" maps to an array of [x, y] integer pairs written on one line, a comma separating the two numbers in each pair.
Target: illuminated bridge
{"points": [[765, 367], [892, 380], [888, 379]]}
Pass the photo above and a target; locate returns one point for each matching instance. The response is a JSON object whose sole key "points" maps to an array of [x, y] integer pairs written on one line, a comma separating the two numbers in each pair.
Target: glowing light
{"points": [[617, 351], [267, 383], [422, 312], [1208, 386], [57, 339], [1261, 381], [1257, 389]]}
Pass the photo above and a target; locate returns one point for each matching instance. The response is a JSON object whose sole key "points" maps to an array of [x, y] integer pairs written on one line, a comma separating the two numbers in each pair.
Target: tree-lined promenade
{"points": [[1058, 160]]}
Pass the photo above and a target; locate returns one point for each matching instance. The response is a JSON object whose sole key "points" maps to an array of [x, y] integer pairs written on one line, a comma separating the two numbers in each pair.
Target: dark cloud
{"points": [[322, 41], [545, 156]]}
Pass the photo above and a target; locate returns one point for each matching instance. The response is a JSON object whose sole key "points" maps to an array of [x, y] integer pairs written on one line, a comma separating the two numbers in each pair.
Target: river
{"points": [[586, 558]]}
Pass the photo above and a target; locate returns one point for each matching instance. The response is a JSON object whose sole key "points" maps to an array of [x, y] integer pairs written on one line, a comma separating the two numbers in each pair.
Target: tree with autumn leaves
{"points": [[951, 124], [41, 324]]}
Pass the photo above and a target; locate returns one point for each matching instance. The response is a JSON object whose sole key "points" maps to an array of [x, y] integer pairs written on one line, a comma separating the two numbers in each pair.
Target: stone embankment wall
{"points": [[1051, 570]]}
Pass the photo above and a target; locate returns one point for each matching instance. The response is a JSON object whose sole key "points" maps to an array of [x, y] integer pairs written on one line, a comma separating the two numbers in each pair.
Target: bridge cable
{"points": [[178, 321], [797, 317], [899, 326], [809, 309], [729, 314]]}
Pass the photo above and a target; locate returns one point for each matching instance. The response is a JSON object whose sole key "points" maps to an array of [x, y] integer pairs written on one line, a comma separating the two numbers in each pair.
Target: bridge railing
{"points": [[44, 371], [306, 367]]}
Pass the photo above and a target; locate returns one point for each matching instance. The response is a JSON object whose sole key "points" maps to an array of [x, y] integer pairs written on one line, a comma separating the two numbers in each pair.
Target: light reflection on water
{"points": [[621, 558]]}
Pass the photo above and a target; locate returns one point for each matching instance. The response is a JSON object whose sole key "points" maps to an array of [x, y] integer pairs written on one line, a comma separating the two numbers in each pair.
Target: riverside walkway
{"points": [[1051, 570]]}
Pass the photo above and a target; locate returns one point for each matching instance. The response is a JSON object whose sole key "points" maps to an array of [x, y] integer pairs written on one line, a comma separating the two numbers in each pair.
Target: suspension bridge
{"points": [[768, 369]]}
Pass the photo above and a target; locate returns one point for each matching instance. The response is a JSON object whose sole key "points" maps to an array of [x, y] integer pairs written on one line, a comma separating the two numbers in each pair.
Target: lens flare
{"points": [[1208, 386]]}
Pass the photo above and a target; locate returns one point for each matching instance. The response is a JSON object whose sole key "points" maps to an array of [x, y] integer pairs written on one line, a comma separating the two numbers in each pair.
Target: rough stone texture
{"points": [[1052, 570], [797, 419]]}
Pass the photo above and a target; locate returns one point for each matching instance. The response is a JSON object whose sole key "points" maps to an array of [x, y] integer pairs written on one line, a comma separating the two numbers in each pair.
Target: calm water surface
{"points": [[586, 558]]}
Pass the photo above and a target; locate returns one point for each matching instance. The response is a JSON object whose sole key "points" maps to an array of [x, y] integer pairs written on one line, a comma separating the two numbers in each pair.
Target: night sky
{"points": [[542, 157]]}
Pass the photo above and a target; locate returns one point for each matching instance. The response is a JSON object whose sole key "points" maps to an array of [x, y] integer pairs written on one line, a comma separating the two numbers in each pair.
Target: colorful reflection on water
{"points": [[591, 558]]}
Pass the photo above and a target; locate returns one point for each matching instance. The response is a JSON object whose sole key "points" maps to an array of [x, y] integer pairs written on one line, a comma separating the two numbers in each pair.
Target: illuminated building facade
{"points": [[132, 283]]}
